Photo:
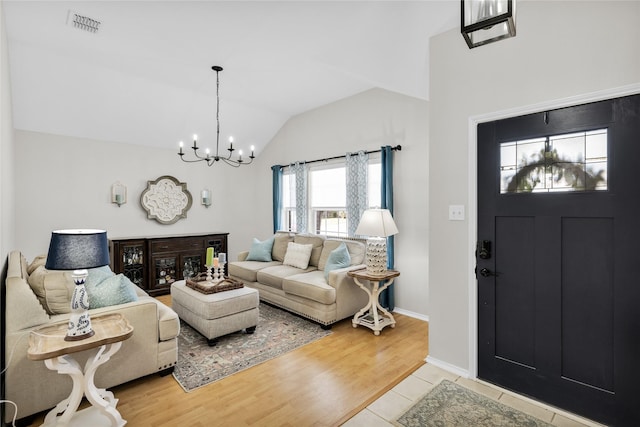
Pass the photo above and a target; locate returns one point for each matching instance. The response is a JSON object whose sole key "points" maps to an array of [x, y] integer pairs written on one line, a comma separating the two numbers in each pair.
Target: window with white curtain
{"points": [[327, 212]]}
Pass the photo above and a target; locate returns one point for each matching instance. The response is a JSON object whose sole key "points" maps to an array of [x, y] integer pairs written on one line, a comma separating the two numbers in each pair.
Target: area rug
{"points": [[278, 332], [452, 405]]}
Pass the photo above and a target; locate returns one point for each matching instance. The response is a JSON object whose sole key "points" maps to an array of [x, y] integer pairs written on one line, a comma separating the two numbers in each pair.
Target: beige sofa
{"points": [[34, 388], [306, 291]]}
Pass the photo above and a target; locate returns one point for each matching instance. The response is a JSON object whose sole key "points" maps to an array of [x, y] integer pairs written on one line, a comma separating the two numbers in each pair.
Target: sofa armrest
{"points": [[146, 310], [168, 322], [140, 292], [340, 272], [349, 296], [242, 256], [165, 320], [23, 308]]}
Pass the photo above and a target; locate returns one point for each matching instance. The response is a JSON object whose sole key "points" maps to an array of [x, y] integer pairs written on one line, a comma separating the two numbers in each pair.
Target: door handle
{"points": [[485, 272]]}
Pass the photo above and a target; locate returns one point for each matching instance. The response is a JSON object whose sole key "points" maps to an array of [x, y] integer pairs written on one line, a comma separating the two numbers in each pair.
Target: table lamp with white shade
{"points": [[78, 250], [378, 224]]}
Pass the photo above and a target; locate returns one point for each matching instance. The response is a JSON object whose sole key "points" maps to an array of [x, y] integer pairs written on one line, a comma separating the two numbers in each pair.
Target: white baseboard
{"points": [[448, 367], [411, 314]]}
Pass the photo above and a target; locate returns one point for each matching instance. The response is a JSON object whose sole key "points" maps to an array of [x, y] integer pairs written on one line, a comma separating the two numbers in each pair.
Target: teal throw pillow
{"points": [[338, 258], [97, 275], [114, 290], [261, 251]]}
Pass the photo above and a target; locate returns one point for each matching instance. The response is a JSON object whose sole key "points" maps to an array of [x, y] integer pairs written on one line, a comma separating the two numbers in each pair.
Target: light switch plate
{"points": [[456, 212]]}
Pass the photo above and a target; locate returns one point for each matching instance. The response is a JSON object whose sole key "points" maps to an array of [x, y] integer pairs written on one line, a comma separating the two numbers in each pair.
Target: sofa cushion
{"points": [[261, 251], [280, 243], [272, 276], [37, 262], [311, 239], [53, 288], [298, 255], [113, 290], [310, 285], [338, 258], [356, 251], [247, 270]]}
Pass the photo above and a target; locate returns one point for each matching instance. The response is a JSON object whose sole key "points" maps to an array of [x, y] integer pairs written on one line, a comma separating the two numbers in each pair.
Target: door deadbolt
{"points": [[484, 249]]}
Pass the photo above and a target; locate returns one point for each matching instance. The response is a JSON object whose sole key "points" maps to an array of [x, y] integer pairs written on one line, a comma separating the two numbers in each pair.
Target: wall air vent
{"points": [[82, 22]]}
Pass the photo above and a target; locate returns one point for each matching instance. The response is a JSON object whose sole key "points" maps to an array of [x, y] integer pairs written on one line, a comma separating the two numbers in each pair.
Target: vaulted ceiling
{"points": [[144, 77]]}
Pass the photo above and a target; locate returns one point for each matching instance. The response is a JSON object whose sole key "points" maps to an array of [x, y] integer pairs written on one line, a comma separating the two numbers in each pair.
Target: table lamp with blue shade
{"points": [[78, 250]]}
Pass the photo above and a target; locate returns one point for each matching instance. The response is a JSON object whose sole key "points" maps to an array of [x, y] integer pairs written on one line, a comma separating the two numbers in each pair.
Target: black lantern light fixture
{"points": [[487, 21], [208, 157]]}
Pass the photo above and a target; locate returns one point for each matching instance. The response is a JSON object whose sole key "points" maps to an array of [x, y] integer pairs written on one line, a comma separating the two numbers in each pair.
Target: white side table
{"points": [[377, 317], [48, 344]]}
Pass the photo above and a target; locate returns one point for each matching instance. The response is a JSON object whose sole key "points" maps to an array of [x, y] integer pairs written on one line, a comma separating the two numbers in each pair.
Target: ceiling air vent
{"points": [[82, 22]]}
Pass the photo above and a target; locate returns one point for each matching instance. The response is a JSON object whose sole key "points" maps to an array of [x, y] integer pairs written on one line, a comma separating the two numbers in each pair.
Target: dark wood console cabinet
{"points": [[154, 263]]}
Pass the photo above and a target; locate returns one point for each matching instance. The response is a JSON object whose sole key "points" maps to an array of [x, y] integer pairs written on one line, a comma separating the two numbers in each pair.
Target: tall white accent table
{"points": [[373, 315], [48, 344]]}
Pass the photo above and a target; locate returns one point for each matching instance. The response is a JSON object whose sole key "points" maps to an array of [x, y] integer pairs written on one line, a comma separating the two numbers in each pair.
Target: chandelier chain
{"points": [[218, 111]]}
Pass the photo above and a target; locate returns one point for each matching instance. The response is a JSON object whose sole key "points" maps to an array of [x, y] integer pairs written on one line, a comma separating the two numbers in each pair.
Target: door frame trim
{"points": [[472, 202]]}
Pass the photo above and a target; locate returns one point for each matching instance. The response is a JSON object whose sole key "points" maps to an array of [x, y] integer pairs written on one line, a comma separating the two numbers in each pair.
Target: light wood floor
{"points": [[321, 384]]}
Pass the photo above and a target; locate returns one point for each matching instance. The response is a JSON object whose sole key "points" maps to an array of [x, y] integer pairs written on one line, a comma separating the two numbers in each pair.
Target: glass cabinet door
{"points": [[133, 263], [165, 270], [191, 265]]}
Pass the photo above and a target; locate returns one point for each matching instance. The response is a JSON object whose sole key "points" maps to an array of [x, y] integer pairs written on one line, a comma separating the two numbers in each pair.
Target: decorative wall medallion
{"points": [[166, 199]]}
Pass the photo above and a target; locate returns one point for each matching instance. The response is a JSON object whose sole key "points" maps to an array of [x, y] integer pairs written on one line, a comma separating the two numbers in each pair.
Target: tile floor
{"points": [[400, 398]]}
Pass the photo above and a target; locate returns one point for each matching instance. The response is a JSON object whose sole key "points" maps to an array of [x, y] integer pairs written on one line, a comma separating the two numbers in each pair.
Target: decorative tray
{"points": [[48, 341], [200, 284]]}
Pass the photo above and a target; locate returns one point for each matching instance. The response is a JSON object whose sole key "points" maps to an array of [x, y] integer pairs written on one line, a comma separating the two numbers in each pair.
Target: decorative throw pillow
{"points": [[338, 258], [53, 288], [114, 290], [261, 251], [37, 262], [298, 255], [98, 274], [281, 240]]}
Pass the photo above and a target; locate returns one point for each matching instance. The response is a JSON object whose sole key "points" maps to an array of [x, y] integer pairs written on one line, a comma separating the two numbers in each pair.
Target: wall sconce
{"points": [[486, 21], [205, 197], [118, 194]]}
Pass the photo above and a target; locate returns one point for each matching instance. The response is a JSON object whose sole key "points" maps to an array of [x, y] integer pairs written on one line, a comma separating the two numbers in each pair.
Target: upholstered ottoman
{"points": [[217, 314]]}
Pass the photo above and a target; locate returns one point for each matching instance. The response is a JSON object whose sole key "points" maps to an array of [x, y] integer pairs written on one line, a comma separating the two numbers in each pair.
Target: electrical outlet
{"points": [[456, 212]]}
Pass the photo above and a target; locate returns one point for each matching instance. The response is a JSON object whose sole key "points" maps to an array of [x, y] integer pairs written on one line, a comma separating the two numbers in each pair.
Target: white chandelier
{"points": [[209, 158]]}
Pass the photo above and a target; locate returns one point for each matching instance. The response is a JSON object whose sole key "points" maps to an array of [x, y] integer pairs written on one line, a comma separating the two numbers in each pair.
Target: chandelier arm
{"points": [[237, 163], [202, 158], [231, 162], [189, 161], [231, 150]]}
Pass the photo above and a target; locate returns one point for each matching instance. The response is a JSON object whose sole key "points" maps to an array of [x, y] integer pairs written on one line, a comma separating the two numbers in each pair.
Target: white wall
{"points": [[7, 235], [367, 121], [562, 49], [64, 182]]}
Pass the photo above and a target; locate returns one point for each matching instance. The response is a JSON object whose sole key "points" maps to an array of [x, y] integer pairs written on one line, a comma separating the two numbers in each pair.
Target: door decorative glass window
{"points": [[567, 162]]}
